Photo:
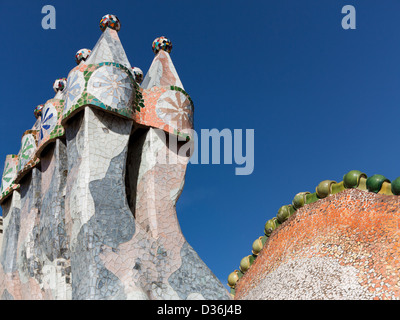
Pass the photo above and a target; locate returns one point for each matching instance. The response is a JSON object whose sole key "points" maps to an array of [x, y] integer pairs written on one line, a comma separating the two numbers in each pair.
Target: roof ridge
{"points": [[353, 179]]}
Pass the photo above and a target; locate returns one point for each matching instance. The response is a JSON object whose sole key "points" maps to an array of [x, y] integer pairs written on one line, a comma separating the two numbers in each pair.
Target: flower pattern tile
{"points": [[74, 89], [175, 109], [112, 86], [8, 177]]}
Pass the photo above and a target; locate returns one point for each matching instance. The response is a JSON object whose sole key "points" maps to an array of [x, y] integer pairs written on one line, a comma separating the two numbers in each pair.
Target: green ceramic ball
{"points": [[396, 186], [352, 178], [246, 263], [375, 182], [270, 226], [233, 278], [257, 246], [283, 214], [324, 188], [299, 200]]}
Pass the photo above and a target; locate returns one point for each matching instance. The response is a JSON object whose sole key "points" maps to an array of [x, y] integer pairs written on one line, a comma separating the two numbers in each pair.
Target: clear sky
{"points": [[322, 100]]}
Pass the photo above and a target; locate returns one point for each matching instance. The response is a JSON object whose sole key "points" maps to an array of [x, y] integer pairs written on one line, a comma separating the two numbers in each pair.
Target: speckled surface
{"points": [[89, 203], [100, 223], [345, 246]]}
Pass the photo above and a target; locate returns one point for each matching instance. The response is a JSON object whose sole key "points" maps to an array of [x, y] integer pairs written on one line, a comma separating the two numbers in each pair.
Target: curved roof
{"points": [[354, 179]]}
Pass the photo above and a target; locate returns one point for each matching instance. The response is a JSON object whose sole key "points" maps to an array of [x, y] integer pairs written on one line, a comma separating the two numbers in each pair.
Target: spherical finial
{"points": [[300, 200], [352, 178], [270, 226], [59, 84], [111, 21], [257, 246], [38, 111], [396, 186], [283, 213], [82, 55], [324, 188], [375, 182], [233, 278], [162, 43], [246, 263], [138, 74]]}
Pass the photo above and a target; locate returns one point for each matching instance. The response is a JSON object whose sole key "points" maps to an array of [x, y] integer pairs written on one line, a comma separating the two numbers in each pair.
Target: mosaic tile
{"points": [[27, 155], [110, 21], [167, 109], [82, 55], [106, 86], [38, 111], [59, 84], [50, 124], [343, 246], [138, 73], [97, 219], [161, 43], [8, 178], [112, 86], [108, 49], [161, 73]]}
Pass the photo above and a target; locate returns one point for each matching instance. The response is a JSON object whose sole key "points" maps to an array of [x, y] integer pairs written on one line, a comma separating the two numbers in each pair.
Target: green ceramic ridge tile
{"points": [[338, 187], [312, 197]]}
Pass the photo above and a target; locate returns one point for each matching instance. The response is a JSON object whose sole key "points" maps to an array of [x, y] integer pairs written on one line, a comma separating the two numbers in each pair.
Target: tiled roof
{"points": [[353, 179]]}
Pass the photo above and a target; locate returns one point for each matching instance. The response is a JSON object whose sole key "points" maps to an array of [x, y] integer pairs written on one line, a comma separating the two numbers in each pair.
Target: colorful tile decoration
{"points": [[344, 235], [167, 105], [162, 73], [73, 238], [49, 120], [82, 55], [8, 184], [138, 74], [66, 236], [59, 84], [109, 49], [27, 155], [168, 108], [161, 43], [110, 21], [50, 124], [38, 111], [109, 86], [75, 86]]}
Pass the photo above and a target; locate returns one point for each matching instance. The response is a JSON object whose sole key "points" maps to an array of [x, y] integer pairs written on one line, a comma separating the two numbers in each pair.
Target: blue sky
{"points": [[322, 100]]}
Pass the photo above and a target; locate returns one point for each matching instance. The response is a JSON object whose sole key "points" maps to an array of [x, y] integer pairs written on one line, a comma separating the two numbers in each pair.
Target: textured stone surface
{"points": [[345, 246], [108, 48], [52, 235], [162, 72], [95, 216], [97, 210], [312, 278], [36, 256], [194, 278]]}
